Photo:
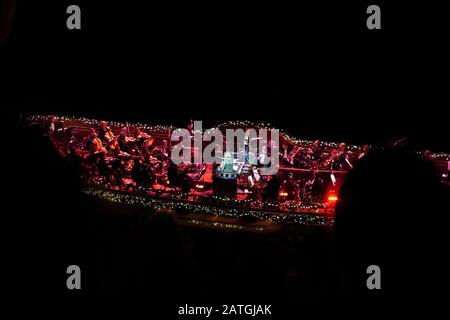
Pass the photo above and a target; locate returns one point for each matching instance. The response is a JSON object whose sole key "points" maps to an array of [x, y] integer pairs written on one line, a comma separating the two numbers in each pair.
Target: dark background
{"points": [[313, 69]]}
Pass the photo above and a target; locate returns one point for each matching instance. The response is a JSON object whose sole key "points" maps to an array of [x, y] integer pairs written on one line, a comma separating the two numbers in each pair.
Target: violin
{"points": [[97, 146]]}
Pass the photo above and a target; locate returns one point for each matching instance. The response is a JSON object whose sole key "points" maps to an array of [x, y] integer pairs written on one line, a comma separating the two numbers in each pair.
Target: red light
{"points": [[283, 194], [332, 198], [199, 186]]}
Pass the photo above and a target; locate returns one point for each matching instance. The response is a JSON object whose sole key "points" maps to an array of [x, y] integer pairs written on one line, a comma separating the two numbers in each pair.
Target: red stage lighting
{"points": [[332, 198]]}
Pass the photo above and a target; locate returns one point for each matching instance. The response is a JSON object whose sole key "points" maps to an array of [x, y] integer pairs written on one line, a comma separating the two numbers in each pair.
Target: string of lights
{"points": [[215, 200], [284, 134], [169, 129], [196, 207], [232, 226], [95, 123], [229, 124]]}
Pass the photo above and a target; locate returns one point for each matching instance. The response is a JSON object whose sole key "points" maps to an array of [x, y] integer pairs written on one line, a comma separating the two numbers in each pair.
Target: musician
{"points": [[165, 148], [116, 152], [427, 155], [172, 173], [177, 175], [316, 150], [330, 162], [147, 142], [364, 152], [117, 170], [290, 187], [87, 141], [342, 148], [51, 126], [140, 135], [252, 159], [313, 188], [300, 159], [162, 150], [263, 158], [71, 146], [289, 159], [123, 140], [141, 173], [190, 127], [113, 144], [246, 149], [96, 152], [137, 133], [96, 145], [75, 157], [285, 152], [272, 189], [104, 132], [341, 161]]}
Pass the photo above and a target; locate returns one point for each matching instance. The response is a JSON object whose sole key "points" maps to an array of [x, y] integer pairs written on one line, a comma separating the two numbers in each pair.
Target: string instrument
{"points": [[157, 152], [97, 146], [148, 142], [154, 162], [291, 156], [328, 162], [112, 142], [109, 134]]}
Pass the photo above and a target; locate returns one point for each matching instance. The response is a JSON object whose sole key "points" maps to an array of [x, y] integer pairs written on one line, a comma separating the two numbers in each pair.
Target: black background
{"points": [[312, 68]]}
